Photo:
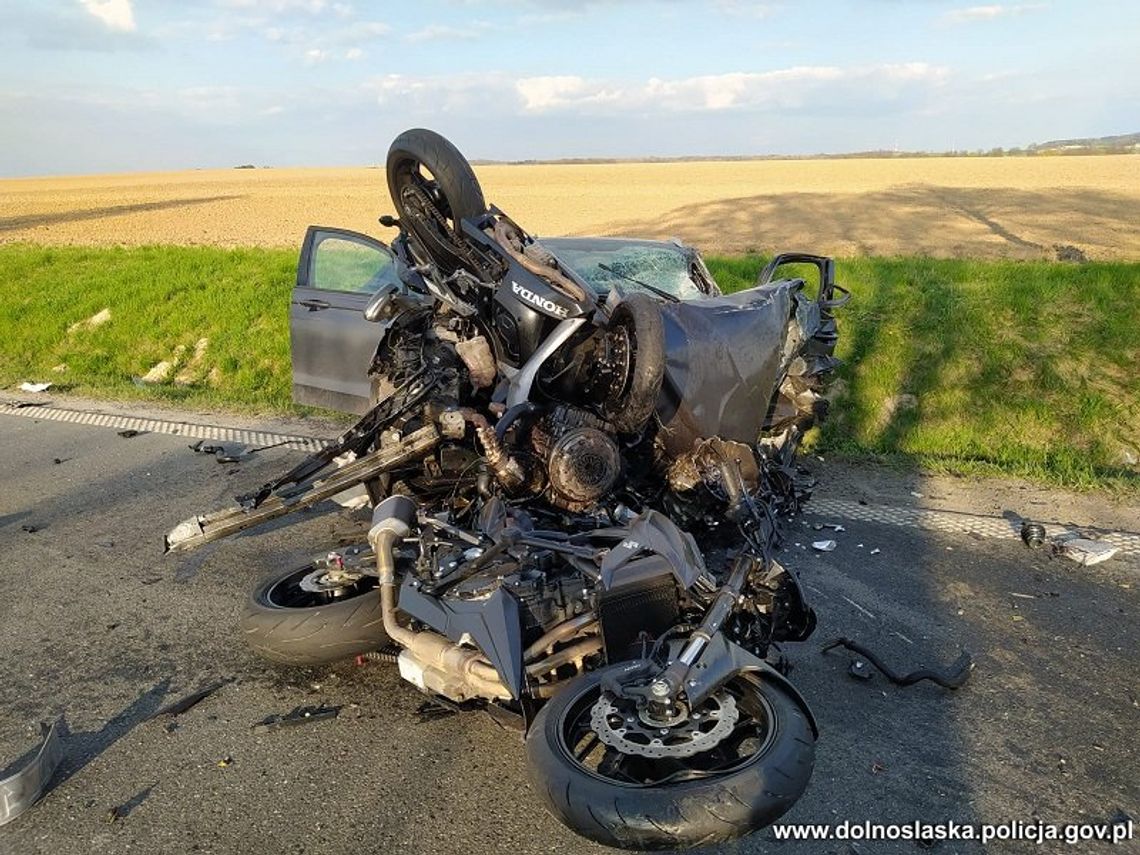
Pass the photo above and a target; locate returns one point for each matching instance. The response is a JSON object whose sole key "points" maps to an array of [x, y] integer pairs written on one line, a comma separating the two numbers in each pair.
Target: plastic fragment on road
{"points": [[298, 715], [20, 791], [823, 545], [193, 699], [1088, 552], [34, 387]]}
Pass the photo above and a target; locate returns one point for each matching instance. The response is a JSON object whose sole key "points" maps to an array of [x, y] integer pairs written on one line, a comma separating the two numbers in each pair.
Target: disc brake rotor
{"points": [[629, 733], [321, 581]]}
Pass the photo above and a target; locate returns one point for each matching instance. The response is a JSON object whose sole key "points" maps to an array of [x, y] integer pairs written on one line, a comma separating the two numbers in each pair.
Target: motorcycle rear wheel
{"points": [[434, 189], [637, 803]]}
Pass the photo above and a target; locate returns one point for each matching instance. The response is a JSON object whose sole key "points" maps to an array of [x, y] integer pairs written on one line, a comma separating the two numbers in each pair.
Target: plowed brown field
{"points": [[975, 207]]}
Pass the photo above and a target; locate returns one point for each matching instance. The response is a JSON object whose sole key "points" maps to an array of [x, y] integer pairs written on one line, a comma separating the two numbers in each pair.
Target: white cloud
{"points": [[353, 53], [359, 33], [541, 94], [279, 7], [117, 15], [745, 8], [443, 32], [987, 13], [795, 87], [313, 56]]}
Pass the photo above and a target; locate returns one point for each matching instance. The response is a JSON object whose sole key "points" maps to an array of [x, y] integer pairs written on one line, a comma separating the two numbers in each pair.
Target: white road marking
{"points": [[979, 525], [191, 430]]}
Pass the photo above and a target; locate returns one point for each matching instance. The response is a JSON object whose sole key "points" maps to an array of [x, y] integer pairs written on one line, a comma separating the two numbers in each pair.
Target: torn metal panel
{"points": [[20, 791]]}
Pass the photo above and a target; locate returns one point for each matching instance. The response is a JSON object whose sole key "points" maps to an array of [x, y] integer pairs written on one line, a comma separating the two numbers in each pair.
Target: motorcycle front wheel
{"points": [[747, 780], [298, 617]]}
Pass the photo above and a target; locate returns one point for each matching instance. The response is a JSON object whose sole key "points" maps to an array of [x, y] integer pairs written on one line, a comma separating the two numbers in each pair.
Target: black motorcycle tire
{"points": [[454, 175], [642, 316], [314, 634], [678, 815]]}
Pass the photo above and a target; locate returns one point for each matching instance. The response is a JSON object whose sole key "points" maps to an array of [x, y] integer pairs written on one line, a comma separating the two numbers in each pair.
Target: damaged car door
{"points": [[332, 342]]}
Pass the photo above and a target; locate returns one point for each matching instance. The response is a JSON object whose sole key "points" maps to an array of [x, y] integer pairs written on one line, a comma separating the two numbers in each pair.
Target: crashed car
{"points": [[578, 452]]}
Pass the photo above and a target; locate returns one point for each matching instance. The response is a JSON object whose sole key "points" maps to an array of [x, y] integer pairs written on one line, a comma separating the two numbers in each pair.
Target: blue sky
{"points": [[123, 85]]}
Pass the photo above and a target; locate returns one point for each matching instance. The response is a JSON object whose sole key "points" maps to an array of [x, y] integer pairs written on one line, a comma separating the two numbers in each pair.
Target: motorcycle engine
{"points": [[583, 462]]}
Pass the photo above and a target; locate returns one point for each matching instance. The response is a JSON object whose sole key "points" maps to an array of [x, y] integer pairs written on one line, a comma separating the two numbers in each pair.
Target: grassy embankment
{"points": [[1025, 368]]}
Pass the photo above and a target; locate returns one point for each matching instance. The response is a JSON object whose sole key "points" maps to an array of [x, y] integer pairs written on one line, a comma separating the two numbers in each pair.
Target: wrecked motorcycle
{"points": [[577, 492]]}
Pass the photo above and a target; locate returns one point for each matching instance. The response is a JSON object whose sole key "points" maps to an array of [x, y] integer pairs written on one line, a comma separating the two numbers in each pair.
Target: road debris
{"points": [[824, 545], [193, 699], [1087, 552], [20, 791], [298, 715], [953, 677], [876, 551], [225, 761], [30, 528], [130, 433], [859, 670], [35, 388], [230, 452], [1033, 534]]}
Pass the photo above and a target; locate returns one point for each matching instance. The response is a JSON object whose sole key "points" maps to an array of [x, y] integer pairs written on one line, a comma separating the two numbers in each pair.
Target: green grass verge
{"points": [[1024, 368]]}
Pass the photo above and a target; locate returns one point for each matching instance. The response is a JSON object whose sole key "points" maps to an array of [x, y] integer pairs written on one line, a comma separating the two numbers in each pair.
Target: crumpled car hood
{"points": [[725, 357]]}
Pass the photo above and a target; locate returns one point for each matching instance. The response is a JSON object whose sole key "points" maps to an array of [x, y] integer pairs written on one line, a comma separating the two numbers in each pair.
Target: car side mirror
{"points": [[380, 306]]}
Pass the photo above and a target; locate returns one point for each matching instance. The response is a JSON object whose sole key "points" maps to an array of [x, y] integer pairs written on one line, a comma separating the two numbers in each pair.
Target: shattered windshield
{"points": [[664, 266]]}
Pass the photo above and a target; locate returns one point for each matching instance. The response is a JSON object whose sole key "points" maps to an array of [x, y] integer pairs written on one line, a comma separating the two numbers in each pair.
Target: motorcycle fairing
{"points": [[651, 545], [493, 623]]}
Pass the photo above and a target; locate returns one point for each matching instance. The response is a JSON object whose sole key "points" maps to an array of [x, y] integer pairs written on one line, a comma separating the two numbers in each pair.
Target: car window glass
{"points": [[662, 267], [342, 264]]}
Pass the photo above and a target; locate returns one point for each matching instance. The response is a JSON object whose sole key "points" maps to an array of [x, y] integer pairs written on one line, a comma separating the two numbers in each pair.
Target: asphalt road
{"points": [[97, 624]]}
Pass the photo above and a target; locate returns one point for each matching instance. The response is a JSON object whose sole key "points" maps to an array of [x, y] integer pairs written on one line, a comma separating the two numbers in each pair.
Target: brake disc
{"points": [[630, 733]]}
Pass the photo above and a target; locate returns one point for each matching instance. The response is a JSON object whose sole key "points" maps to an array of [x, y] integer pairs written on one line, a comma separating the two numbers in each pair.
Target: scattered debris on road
{"points": [[298, 715], [1086, 552], [130, 433], [824, 545], [193, 699], [30, 528], [230, 452], [35, 388], [1033, 534], [20, 791], [952, 677]]}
